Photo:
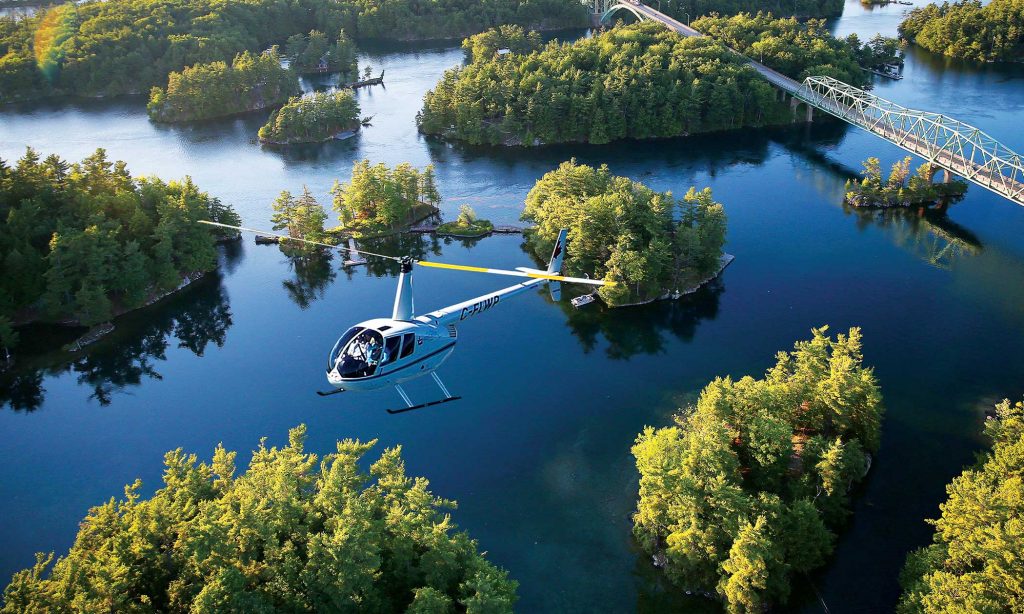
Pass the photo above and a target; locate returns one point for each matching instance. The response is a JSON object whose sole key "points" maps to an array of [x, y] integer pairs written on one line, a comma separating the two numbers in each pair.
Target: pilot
{"points": [[373, 351]]}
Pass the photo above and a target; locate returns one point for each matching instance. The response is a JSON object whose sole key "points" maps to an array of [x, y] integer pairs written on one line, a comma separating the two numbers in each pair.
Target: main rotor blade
{"points": [[476, 269], [287, 238]]}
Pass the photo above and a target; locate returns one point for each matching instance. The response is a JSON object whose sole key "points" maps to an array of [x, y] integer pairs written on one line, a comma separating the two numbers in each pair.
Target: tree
{"points": [[293, 531], [974, 563], [736, 495], [8, 337]]}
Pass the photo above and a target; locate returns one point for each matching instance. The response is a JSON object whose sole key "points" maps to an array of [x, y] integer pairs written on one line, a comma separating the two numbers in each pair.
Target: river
{"points": [[537, 452]]}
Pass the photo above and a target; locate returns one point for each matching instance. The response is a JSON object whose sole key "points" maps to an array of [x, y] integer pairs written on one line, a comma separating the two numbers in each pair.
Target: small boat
{"points": [[580, 301], [354, 257]]}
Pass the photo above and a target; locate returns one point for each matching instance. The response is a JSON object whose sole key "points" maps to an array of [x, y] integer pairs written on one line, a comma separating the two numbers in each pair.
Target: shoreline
{"points": [[666, 295], [340, 135]]}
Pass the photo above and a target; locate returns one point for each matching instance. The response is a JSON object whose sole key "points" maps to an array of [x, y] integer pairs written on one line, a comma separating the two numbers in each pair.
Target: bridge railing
{"points": [[941, 140]]}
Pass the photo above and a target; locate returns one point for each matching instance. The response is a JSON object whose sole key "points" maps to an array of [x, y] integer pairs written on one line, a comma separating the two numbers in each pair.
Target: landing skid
{"points": [[410, 407], [330, 392]]}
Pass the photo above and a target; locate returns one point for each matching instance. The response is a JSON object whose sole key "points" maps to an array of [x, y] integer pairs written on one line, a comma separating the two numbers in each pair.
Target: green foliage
{"points": [[515, 39], [897, 191], [204, 91], [640, 81], [86, 240], [975, 563], [685, 10], [112, 47], [312, 53], [798, 49], [466, 224], [380, 198], [744, 489], [622, 231], [312, 119], [303, 218], [292, 533], [968, 29]]}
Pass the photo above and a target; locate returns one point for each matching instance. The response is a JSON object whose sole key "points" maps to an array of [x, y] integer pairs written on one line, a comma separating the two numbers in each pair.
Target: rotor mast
{"points": [[403, 309]]}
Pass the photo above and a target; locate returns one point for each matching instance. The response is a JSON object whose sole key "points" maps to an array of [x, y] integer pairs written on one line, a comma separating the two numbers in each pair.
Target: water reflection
{"points": [[643, 329], [126, 357], [929, 235], [313, 274]]}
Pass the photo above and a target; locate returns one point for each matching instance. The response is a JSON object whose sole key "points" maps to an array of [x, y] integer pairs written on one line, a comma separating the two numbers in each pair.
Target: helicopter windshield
{"points": [[358, 353]]}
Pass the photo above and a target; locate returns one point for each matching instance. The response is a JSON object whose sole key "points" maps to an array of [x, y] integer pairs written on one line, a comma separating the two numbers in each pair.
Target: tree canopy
{"points": [[748, 486], [991, 32], [975, 563], [87, 240], [379, 198], [314, 53], [251, 82], [798, 49], [313, 118], [302, 218], [111, 47], [294, 532], [686, 10], [638, 81], [621, 230]]}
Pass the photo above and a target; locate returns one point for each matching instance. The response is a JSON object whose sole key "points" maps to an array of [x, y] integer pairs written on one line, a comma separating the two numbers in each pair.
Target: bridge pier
{"points": [[946, 176], [794, 103]]}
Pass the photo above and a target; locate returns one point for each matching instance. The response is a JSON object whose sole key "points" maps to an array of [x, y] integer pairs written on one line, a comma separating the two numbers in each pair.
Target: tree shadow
{"points": [[194, 319]]}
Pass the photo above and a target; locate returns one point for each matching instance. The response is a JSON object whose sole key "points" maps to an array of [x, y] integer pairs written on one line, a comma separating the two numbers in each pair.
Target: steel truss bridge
{"points": [[944, 142]]}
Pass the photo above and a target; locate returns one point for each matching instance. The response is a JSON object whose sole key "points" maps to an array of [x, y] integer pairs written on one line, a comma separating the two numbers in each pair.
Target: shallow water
{"points": [[537, 452]]}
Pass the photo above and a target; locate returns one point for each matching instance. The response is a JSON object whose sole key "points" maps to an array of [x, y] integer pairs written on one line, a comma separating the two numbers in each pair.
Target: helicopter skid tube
{"points": [[422, 405], [330, 392]]}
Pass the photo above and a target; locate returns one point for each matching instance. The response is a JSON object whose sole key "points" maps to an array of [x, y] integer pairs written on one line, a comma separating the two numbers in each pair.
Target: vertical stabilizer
{"points": [[555, 266], [403, 297]]}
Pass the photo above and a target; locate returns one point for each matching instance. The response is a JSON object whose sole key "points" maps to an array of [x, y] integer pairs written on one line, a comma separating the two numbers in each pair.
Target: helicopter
{"points": [[387, 352]]}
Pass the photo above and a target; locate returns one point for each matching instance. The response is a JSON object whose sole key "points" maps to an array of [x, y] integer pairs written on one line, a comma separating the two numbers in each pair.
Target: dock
{"points": [[354, 258], [354, 85]]}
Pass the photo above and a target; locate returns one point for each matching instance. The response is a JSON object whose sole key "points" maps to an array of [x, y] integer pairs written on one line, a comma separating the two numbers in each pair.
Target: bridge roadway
{"points": [[992, 174]]}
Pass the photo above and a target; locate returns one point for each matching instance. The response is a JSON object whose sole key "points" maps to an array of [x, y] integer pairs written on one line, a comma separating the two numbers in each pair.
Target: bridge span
{"points": [[942, 141]]}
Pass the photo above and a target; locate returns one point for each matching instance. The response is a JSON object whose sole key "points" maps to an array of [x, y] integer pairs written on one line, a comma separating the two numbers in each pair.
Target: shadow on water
{"points": [[641, 329], [129, 355]]}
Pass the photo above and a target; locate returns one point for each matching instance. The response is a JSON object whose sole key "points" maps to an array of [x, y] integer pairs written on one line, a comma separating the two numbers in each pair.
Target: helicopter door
{"points": [[392, 345]]}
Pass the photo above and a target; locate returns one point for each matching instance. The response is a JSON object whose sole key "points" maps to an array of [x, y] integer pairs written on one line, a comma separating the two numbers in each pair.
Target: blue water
{"points": [[537, 452]]}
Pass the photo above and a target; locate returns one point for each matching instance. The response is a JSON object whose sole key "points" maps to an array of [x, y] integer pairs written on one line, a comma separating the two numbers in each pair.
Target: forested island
{"points": [[993, 32], [250, 83], [313, 118], [801, 9], [83, 242], [620, 230], [637, 81], [975, 564], [901, 189], [749, 485], [380, 200], [466, 224], [313, 53], [798, 49], [112, 47], [294, 532]]}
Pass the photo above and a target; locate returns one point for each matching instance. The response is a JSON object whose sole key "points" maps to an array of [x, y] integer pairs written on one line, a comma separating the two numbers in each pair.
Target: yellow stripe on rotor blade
{"points": [[477, 269]]}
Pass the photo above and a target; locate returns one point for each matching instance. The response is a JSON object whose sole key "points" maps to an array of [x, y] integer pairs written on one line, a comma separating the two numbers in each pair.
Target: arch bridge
{"points": [[944, 142]]}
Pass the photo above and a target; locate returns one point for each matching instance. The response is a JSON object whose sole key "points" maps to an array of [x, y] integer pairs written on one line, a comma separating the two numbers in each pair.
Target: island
{"points": [[313, 118], [974, 563], [748, 486], [684, 10], [651, 244], [466, 225], [313, 53], [85, 242], [378, 200], [902, 189], [117, 47], [992, 32], [251, 82], [356, 535], [639, 81]]}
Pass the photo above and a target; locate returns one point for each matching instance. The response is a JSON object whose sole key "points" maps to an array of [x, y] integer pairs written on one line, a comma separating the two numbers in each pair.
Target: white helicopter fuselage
{"points": [[386, 352]]}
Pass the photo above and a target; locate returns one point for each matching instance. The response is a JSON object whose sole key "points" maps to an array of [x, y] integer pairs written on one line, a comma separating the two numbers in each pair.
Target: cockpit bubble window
{"points": [[340, 345], [361, 356], [409, 345], [391, 347]]}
